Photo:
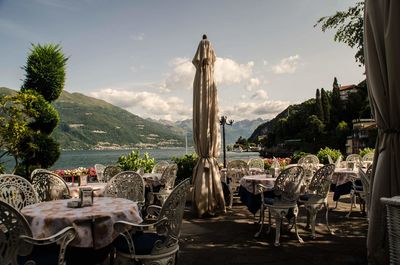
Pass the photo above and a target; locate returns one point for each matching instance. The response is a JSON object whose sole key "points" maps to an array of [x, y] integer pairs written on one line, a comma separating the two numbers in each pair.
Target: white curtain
{"points": [[382, 62]]}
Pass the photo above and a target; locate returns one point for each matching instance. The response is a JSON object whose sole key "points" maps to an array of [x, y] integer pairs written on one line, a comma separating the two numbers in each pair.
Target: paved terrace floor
{"points": [[228, 239]]}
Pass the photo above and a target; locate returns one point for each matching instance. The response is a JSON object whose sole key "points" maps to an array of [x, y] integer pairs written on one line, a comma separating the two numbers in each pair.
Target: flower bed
{"points": [[70, 175]]}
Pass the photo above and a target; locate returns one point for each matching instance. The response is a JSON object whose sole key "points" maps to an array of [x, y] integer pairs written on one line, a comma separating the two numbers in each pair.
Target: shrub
{"points": [[298, 155], [366, 150], [323, 155], [186, 165], [133, 161]]}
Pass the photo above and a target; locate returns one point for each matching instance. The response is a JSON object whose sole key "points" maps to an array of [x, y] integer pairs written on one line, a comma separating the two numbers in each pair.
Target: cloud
{"points": [[287, 65], [138, 37], [146, 104], [226, 70], [250, 110], [260, 95], [253, 83]]}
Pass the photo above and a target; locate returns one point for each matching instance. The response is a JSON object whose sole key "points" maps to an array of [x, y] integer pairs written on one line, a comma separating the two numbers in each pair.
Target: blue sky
{"points": [[137, 54]]}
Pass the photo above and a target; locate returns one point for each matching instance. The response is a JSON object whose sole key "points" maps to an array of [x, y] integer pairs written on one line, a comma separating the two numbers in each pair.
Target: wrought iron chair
{"points": [[236, 169], [256, 165], [17, 191], [99, 171], [318, 196], [167, 183], [287, 192], [310, 165], [368, 159], [109, 172], [353, 161], [160, 167], [330, 160], [19, 247], [361, 190], [154, 247], [127, 184], [49, 186]]}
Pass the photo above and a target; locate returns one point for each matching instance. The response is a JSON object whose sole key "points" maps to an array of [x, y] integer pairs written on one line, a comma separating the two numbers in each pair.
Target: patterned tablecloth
{"points": [[343, 175], [98, 189], [94, 224], [152, 179], [250, 182]]}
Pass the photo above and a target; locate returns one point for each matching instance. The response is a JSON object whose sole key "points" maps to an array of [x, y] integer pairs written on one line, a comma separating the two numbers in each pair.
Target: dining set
{"points": [[41, 224], [305, 184]]}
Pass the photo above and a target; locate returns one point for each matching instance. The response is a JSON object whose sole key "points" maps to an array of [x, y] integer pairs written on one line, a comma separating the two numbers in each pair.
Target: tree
{"points": [[326, 106], [318, 103], [336, 103], [349, 25], [45, 71]]}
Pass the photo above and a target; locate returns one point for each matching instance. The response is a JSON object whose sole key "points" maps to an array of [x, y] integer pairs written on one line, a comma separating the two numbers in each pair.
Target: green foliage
{"points": [[186, 165], [45, 70], [323, 154], [366, 150], [318, 104], [133, 161], [297, 155], [349, 25], [326, 106]]}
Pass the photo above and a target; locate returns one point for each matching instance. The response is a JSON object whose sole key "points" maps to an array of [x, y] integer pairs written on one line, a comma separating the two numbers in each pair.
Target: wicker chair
{"points": [[318, 195], [49, 186], [18, 247], [236, 169], [256, 165], [168, 182], [154, 247], [393, 227], [127, 184], [286, 191], [99, 171], [17, 191], [361, 191], [109, 172], [160, 167]]}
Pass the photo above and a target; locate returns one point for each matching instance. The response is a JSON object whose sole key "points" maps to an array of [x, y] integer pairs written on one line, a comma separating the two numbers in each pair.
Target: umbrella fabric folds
{"points": [[208, 195], [382, 62]]}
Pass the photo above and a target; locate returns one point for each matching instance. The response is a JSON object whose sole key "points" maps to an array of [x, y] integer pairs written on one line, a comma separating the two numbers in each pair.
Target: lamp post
{"points": [[224, 122]]}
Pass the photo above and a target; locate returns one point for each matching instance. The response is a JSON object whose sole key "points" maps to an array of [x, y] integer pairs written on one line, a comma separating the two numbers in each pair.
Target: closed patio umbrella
{"points": [[208, 197], [382, 62]]}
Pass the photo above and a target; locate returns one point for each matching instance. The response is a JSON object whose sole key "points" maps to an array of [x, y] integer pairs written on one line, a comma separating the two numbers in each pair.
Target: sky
{"points": [[137, 54]]}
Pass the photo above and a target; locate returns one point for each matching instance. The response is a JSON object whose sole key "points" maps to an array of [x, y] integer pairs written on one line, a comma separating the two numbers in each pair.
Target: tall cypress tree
{"points": [[318, 107], [326, 106], [337, 108]]}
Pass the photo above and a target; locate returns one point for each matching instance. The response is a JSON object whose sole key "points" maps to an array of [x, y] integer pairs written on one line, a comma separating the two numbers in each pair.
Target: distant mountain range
{"points": [[89, 123]]}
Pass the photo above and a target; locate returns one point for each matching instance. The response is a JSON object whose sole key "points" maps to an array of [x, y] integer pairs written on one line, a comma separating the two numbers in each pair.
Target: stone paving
{"points": [[229, 239]]}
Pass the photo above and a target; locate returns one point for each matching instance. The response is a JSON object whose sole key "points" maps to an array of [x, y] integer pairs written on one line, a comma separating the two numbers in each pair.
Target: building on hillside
{"points": [[346, 90], [364, 135]]}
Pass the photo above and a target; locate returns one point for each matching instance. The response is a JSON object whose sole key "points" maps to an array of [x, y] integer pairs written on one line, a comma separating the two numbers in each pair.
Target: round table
{"points": [[94, 224], [249, 182], [98, 189]]}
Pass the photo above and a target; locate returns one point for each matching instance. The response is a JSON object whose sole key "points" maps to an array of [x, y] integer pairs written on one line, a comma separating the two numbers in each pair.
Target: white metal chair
{"points": [[167, 183], [19, 247], [160, 167], [17, 191], [353, 161], [128, 185], [236, 169], [110, 171], [99, 171], [287, 192], [318, 195], [154, 247], [256, 165], [361, 190], [368, 159], [49, 186]]}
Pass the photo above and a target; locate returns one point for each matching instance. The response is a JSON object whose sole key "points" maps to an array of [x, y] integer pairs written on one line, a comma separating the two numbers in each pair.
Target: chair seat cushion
{"points": [[42, 255], [143, 242], [358, 188]]}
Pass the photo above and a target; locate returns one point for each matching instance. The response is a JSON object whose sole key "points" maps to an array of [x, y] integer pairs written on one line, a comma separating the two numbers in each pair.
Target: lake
{"points": [[87, 158]]}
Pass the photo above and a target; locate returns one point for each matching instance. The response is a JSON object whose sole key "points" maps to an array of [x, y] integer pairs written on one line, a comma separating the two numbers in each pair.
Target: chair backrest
{"points": [[109, 172], [338, 161], [12, 225], [256, 163], [49, 186], [17, 191], [160, 167], [365, 178], [356, 159], [128, 185], [287, 184], [330, 160], [172, 210], [99, 171], [236, 169], [168, 176], [140, 171], [321, 181], [311, 159]]}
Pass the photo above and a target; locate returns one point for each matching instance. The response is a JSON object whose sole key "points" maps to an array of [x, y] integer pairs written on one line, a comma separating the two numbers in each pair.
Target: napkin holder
{"points": [[74, 203], [86, 196]]}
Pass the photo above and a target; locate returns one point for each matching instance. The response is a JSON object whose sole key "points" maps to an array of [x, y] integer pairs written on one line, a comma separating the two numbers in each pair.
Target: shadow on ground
{"points": [[229, 239]]}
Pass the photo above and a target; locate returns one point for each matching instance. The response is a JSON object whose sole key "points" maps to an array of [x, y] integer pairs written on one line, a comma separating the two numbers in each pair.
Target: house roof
{"points": [[348, 87]]}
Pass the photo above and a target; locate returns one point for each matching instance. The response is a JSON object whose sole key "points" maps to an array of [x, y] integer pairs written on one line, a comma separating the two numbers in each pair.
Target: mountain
{"points": [[89, 123]]}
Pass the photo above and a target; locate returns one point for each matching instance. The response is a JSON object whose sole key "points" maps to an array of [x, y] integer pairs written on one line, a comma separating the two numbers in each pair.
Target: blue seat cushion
{"points": [[269, 201], [358, 188], [42, 255], [86, 256], [304, 197], [143, 242]]}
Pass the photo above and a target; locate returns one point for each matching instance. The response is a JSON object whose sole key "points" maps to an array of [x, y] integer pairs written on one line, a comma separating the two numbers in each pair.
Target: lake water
{"points": [[87, 158]]}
